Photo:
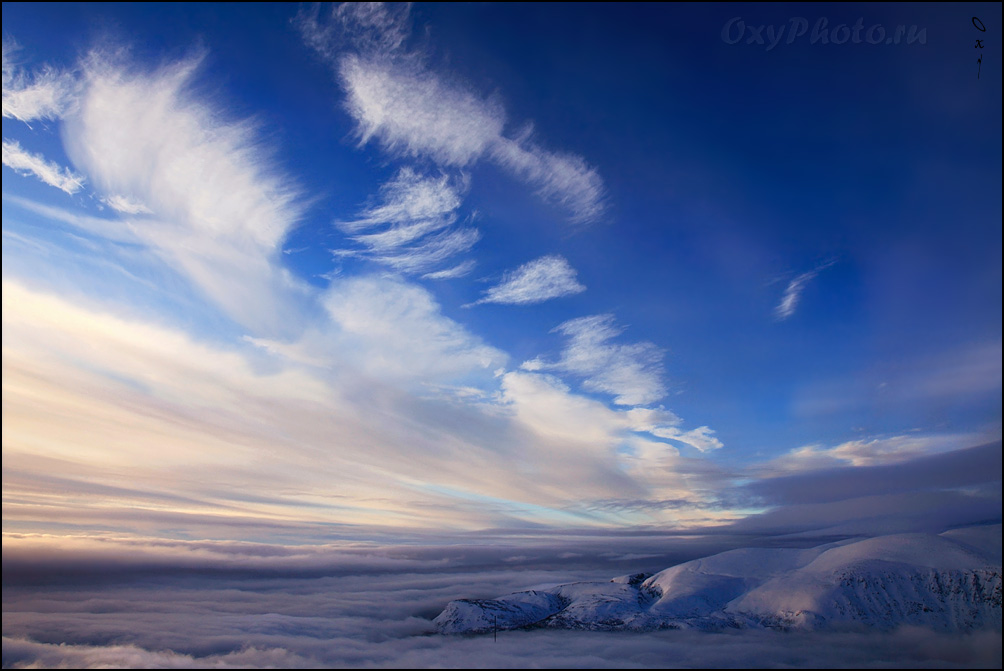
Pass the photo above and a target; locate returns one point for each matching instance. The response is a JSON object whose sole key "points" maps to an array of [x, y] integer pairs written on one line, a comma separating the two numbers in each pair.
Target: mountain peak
{"points": [[948, 582]]}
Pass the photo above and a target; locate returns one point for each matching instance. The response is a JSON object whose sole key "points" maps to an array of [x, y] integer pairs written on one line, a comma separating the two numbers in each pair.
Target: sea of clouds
{"points": [[221, 605]]}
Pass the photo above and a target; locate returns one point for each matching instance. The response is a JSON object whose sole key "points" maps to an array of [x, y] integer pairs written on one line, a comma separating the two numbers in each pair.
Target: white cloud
{"points": [[397, 100], [665, 424], [582, 443], [432, 252], [130, 417], [545, 404], [410, 201], [572, 441], [332, 420], [411, 229], [701, 438], [109, 229], [377, 28], [789, 301], [222, 210], [459, 270], [651, 419], [632, 373], [563, 179], [126, 205], [395, 330], [342, 376], [47, 95], [415, 113], [18, 159], [793, 293], [872, 451], [145, 133], [535, 282]]}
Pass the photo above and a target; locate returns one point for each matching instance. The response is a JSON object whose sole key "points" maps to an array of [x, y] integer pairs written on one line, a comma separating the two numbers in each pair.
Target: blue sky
{"points": [[278, 272]]}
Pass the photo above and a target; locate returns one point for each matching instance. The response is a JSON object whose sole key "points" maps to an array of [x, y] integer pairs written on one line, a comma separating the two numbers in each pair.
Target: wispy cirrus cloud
{"points": [[372, 28], [316, 444], [459, 270], [64, 179], [663, 423], [413, 229], [702, 438], [323, 429], [535, 282], [871, 451], [793, 292], [563, 179], [614, 453], [106, 228], [45, 95], [411, 205], [126, 205], [395, 329], [433, 251], [413, 110], [632, 373], [390, 92], [147, 145], [313, 418]]}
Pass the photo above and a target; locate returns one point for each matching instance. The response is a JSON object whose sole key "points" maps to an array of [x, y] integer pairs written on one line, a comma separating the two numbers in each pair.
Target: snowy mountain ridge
{"points": [[947, 582]]}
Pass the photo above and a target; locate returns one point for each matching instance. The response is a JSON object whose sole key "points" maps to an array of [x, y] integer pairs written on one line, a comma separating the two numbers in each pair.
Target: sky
{"points": [[296, 275]]}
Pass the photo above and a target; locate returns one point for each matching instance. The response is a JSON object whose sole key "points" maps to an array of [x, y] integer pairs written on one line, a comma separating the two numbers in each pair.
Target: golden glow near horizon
{"points": [[110, 422]]}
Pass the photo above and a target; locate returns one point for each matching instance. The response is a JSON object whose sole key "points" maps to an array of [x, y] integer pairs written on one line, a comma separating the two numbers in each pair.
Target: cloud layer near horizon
{"points": [[178, 605], [324, 428], [904, 649]]}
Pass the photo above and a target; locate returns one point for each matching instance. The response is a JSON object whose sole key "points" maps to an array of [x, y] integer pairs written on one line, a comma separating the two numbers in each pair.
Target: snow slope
{"points": [[948, 582]]}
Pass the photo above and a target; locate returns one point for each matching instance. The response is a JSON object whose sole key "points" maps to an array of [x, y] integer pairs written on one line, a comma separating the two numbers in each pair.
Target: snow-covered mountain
{"points": [[948, 582]]}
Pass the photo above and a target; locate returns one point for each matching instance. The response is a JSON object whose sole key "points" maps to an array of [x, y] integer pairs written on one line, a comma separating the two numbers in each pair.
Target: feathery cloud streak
{"points": [[631, 373], [793, 292], [144, 412], [535, 282], [397, 99], [412, 229], [45, 95], [18, 159], [875, 451], [218, 211]]}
